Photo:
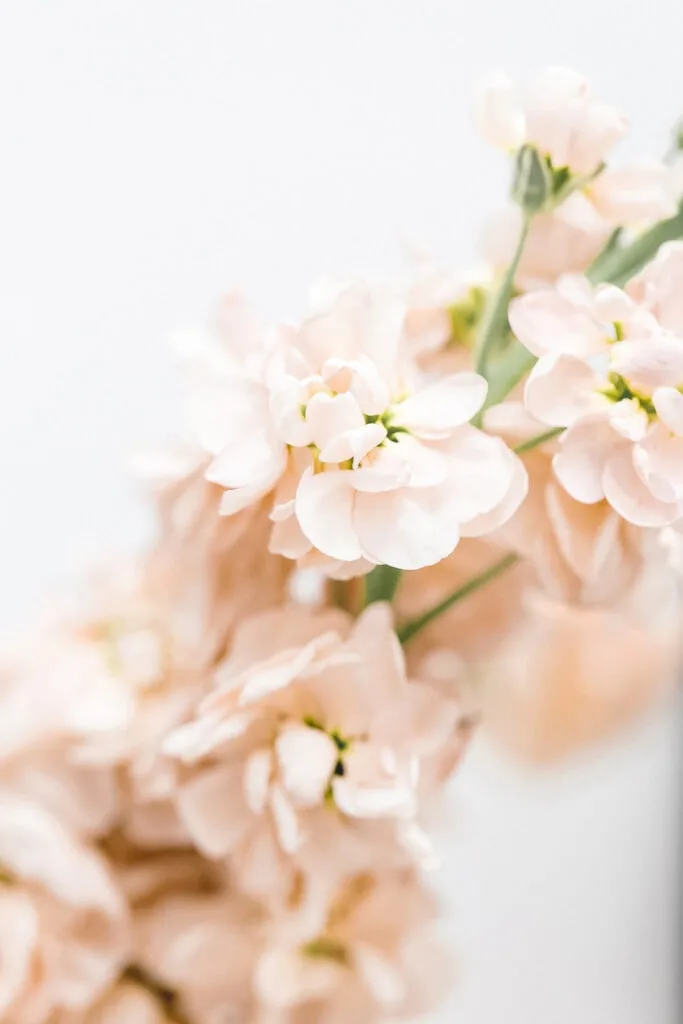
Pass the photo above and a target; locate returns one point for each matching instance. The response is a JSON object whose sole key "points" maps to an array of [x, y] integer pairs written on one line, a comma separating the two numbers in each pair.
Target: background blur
{"points": [[156, 152]]}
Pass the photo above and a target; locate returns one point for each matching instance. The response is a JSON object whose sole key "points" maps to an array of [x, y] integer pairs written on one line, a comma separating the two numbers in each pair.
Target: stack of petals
{"points": [[448, 503]]}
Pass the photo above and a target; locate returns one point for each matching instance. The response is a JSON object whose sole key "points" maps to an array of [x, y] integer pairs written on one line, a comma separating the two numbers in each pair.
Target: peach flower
{"points": [[556, 685], [306, 733], [368, 465], [610, 373], [369, 954], [63, 923], [556, 113], [659, 287]]}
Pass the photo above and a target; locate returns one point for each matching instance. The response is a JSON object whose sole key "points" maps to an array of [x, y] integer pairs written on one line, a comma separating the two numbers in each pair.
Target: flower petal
{"points": [[560, 389], [629, 496], [306, 758], [433, 411], [324, 508]]}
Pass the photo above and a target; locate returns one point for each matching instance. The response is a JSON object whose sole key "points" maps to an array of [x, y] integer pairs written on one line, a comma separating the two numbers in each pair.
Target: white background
{"points": [[156, 152]]}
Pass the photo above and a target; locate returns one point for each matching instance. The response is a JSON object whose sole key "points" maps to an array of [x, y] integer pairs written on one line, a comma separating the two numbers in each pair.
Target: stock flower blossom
{"points": [[367, 466], [309, 714], [556, 113], [63, 922], [612, 375], [555, 684], [367, 954]]}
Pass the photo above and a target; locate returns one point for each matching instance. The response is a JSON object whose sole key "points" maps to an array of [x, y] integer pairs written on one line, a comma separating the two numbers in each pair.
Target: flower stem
{"points": [[412, 628], [494, 320], [381, 584], [534, 442]]}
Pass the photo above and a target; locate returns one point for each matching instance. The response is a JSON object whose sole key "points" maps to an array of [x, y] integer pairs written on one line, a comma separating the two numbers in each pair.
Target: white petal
{"points": [[286, 821], [408, 528], [498, 114], [257, 775], [629, 496], [434, 410], [307, 758], [580, 463], [331, 415], [324, 508], [669, 405], [560, 389]]}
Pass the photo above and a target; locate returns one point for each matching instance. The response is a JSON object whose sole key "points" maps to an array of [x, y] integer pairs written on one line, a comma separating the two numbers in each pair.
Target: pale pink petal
{"points": [[354, 444], [331, 415], [560, 389], [630, 497], [408, 528], [580, 463], [214, 810], [248, 462], [634, 193], [649, 364], [383, 977], [433, 411], [498, 114], [306, 759], [288, 539], [324, 508], [669, 405], [362, 378], [659, 463], [546, 322], [489, 521], [482, 474], [285, 820], [258, 770], [385, 469]]}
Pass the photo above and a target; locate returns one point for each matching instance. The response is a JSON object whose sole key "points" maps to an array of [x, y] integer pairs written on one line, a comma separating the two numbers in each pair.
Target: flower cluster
{"points": [[449, 500]]}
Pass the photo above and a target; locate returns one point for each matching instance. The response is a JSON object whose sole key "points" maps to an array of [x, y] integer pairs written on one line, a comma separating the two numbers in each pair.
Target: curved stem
{"points": [[412, 628], [534, 442], [617, 264], [494, 321]]}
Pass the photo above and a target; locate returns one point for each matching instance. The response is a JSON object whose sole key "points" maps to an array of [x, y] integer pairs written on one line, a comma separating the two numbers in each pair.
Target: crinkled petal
{"points": [[433, 411], [560, 389]]}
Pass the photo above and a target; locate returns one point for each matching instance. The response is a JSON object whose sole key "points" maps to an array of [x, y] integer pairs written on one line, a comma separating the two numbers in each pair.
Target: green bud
{"points": [[533, 184]]}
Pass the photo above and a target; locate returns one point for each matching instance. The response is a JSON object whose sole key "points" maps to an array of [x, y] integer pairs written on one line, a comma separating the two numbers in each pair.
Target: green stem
{"points": [[494, 320], [534, 442], [381, 584], [412, 628], [617, 264]]}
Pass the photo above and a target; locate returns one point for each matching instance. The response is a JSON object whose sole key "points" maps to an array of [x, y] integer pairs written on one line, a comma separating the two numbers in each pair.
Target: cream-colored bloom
{"points": [[365, 955], [611, 374], [556, 113], [369, 464], [312, 727], [63, 923]]}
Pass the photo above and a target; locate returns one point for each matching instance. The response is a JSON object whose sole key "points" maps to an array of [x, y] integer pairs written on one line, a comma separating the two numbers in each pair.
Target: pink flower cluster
{"points": [[422, 506]]}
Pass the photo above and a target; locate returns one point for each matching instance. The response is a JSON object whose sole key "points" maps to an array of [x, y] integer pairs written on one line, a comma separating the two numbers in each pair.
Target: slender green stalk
{"points": [[494, 320], [616, 264], [381, 584], [506, 372], [534, 442], [412, 628]]}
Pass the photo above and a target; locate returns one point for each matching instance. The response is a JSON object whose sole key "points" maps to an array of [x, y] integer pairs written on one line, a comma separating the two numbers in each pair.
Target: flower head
{"points": [[609, 372], [368, 463]]}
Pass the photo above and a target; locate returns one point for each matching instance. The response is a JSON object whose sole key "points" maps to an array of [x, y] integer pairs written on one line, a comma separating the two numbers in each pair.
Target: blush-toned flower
{"points": [[611, 374], [366, 954], [312, 728], [63, 923], [368, 464], [570, 675], [556, 113]]}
